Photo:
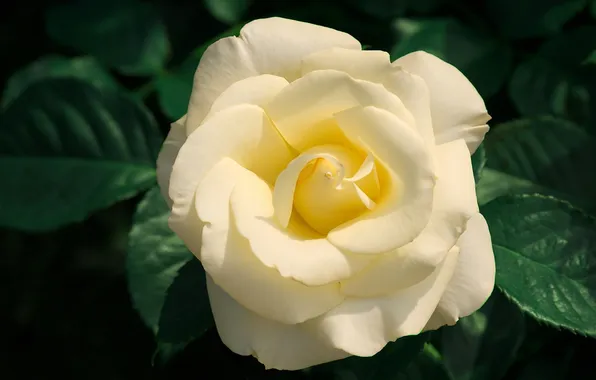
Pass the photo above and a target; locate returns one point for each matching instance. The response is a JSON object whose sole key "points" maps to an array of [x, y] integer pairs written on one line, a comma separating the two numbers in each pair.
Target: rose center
{"points": [[335, 187]]}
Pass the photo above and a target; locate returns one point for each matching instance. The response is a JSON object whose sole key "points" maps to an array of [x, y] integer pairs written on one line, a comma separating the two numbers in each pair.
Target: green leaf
{"points": [[555, 80], [479, 162], [174, 88], [125, 34], [53, 66], [483, 345], [532, 18], [386, 364], [186, 313], [546, 155], [593, 8], [68, 149], [545, 251], [155, 256], [484, 60], [228, 11]]}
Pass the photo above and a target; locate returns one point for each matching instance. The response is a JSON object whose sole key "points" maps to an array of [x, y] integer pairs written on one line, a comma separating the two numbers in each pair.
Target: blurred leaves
{"points": [[482, 58], [155, 255], [228, 11], [554, 81], [479, 162], [127, 35], [532, 18], [545, 252], [540, 155], [186, 313], [383, 9], [174, 87], [428, 365], [68, 149], [389, 363], [483, 345], [54, 66]]}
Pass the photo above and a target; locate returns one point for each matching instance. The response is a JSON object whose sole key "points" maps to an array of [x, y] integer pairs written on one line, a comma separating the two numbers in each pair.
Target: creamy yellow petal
{"points": [[243, 133], [458, 111], [363, 326], [228, 258], [474, 277], [276, 345], [267, 46], [298, 109], [257, 90], [369, 65], [404, 208], [312, 261]]}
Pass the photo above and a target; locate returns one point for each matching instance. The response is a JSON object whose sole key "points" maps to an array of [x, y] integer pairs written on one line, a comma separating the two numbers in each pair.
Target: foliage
{"points": [[90, 88]]}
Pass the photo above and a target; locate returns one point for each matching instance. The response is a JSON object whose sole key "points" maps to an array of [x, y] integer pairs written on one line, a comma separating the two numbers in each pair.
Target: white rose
{"points": [[328, 193]]}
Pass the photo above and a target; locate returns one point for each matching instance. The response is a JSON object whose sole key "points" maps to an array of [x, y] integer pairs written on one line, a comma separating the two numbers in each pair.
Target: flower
{"points": [[328, 193]]}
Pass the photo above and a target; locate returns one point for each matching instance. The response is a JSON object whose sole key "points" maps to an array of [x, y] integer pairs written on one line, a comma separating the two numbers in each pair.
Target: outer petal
{"points": [[363, 326], [167, 155], [458, 111], [299, 109], [454, 203], [276, 345], [228, 258], [474, 277], [310, 261], [404, 208], [257, 90], [369, 65], [375, 66], [243, 133], [267, 46]]}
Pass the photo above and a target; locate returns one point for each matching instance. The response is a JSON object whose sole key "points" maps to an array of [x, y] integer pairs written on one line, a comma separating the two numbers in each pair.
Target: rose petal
{"points": [[312, 261], [458, 111], [266, 46], [257, 90], [368, 65], [454, 203], [474, 277], [276, 345], [228, 258], [300, 110], [403, 210], [363, 326], [241, 132], [167, 155]]}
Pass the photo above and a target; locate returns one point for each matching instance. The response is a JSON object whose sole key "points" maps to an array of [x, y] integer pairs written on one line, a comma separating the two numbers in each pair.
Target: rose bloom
{"points": [[328, 193]]}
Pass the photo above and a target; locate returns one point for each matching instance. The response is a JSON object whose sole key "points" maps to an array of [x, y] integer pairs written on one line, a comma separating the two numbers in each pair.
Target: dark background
{"points": [[64, 307]]}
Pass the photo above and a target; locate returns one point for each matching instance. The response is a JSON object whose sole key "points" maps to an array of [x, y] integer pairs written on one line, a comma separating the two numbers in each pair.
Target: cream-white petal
{"points": [[474, 277], [243, 133], [414, 93], [276, 345], [369, 65], [167, 155], [300, 108], [457, 108], [363, 326], [309, 260], [454, 203], [258, 90], [266, 46], [228, 258], [404, 208]]}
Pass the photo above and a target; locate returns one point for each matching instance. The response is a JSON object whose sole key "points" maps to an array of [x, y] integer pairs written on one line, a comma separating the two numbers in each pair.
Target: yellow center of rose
{"points": [[335, 184]]}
